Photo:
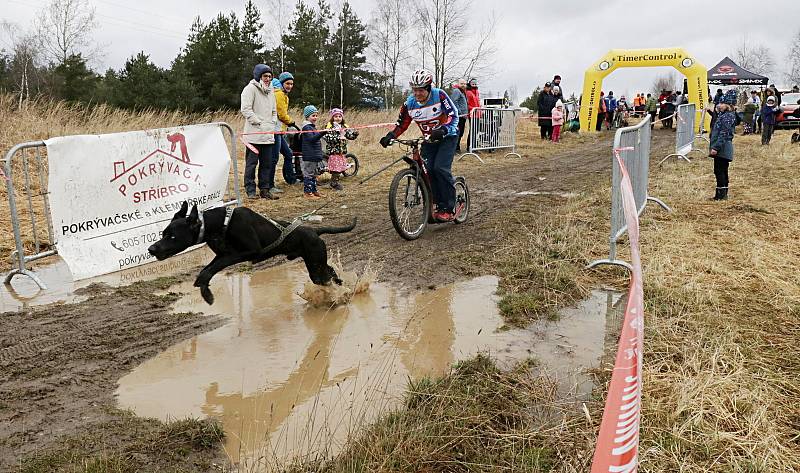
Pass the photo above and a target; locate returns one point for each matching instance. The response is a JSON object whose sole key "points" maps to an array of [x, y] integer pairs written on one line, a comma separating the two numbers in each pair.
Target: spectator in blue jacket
{"points": [[611, 107], [721, 147], [460, 99]]}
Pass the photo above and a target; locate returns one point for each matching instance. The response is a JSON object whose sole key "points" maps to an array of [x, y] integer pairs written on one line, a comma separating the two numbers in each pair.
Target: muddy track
{"points": [[59, 364]]}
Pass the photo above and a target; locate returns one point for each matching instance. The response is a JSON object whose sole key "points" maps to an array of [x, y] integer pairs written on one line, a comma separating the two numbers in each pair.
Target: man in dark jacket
{"points": [[556, 82], [544, 106]]}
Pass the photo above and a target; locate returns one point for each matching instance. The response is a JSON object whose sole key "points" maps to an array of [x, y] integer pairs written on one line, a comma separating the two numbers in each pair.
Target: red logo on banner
{"points": [[155, 164], [725, 69], [617, 448]]}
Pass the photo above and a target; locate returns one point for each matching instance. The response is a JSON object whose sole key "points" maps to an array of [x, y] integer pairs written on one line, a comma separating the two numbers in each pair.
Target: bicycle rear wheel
{"points": [[409, 204], [462, 200]]}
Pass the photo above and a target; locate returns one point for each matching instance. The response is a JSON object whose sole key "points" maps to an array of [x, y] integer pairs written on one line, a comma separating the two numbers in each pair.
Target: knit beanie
{"points": [[285, 76], [260, 70], [309, 110]]}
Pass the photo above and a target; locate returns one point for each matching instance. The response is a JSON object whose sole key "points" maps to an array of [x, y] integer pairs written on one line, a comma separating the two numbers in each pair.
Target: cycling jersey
{"points": [[438, 112]]}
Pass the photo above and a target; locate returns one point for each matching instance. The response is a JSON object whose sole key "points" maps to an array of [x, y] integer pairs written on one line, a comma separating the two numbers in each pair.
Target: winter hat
{"points": [[309, 110], [336, 111], [276, 84], [729, 97], [285, 76], [260, 70], [559, 103], [556, 90], [771, 98]]}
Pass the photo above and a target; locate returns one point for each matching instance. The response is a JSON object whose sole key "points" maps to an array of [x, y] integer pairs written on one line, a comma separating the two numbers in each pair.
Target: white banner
{"points": [[112, 195]]}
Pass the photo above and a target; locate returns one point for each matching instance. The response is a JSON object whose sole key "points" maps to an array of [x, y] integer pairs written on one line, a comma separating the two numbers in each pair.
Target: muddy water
{"points": [[287, 379]]}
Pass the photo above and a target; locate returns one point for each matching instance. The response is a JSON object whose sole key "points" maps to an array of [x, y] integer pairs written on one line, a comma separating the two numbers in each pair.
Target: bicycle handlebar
{"points": [[413, 142]]}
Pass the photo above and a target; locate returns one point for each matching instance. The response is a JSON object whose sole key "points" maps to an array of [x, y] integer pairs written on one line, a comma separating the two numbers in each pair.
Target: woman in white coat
{"points": [[260, 115]]}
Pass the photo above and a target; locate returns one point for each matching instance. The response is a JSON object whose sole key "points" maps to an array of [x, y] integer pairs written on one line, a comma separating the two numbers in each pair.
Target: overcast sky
{"points": [[535, 39]]}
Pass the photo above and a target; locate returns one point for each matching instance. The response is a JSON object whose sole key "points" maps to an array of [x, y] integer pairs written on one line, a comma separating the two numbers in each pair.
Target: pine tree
{"points": [[219, 57], [74, 81], [306, 52]]}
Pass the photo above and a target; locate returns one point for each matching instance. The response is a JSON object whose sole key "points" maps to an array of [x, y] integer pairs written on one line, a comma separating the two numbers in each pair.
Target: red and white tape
{"points": [[617, 449], [297, 132]]}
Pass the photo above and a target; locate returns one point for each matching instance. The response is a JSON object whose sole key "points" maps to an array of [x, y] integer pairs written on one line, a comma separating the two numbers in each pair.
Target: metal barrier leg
{"points": [[24, 272], [471, 154], [660, 203], [682, 156], [617, 262]]}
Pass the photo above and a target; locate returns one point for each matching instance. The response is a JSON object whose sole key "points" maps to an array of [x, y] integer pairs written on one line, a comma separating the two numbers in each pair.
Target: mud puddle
{"points": [[287, 379], [55, 274]]}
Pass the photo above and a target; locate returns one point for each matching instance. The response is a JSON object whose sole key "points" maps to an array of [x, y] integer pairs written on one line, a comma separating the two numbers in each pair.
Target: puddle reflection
{"points": [[285, 378]]}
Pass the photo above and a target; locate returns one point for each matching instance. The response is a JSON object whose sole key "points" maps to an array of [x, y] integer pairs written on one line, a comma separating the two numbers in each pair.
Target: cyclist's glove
{"points": [[387, 140], [437, 135]]}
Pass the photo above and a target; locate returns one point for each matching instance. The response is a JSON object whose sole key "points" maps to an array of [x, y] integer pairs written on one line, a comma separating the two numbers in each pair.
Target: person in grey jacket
{"points": [[261, 115], [458, 97], [721, 147]]}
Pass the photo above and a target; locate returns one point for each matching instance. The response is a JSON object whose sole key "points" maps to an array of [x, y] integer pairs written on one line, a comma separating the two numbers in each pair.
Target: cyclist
{"points": [[437, 117]]}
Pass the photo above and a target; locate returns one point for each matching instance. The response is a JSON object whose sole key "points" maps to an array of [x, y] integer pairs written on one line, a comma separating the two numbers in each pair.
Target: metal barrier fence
{"points": [[633, 145], [490, 129], [34, 189], [685, 132]]}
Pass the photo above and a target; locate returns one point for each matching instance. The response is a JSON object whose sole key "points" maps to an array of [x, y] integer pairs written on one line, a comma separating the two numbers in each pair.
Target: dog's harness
{"points": [[285, 231], [202, 234]]}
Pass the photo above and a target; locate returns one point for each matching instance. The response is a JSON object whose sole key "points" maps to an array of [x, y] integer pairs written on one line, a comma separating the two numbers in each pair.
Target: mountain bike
{"points": [[410, 194]]}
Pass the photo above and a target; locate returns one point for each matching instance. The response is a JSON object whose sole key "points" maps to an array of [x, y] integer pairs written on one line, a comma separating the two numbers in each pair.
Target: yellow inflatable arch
{"points": [[678, 58]]}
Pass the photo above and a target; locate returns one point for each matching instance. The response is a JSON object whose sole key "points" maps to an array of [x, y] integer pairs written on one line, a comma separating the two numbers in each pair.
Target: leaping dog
{"points": [[243, 235]]}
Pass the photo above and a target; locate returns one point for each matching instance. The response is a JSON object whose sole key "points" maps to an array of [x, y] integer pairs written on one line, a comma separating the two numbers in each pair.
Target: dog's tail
{"points": [[331, 230]]}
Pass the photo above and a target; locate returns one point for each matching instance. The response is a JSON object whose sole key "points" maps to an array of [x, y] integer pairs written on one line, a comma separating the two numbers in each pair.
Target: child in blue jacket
{"points": [[312, 152]]}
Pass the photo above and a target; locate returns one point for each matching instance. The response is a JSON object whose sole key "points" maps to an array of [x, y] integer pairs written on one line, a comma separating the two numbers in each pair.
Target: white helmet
{"points": [[421, 78]]}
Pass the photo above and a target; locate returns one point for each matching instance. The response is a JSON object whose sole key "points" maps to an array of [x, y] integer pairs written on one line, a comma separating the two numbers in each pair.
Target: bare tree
{"points": [[24, 60], [754, 57], [446, 41], [277, 22], [64, 28], [665, 82], [793, 57], [389, 43]]}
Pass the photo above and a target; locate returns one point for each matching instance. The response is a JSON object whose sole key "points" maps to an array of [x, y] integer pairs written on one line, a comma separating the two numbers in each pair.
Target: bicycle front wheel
{"points": [[409, 204]]}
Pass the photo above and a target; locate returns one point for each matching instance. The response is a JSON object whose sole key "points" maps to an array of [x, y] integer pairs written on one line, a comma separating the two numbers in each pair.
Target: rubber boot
{"points": [[721, 194]]}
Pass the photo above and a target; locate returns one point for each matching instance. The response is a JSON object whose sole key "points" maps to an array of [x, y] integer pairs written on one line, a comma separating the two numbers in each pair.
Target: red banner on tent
{"points": [[617, 449]]}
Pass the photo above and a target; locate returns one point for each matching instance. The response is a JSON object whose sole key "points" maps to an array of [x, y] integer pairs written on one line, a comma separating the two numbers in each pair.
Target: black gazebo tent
{"points": [[728, 72]]}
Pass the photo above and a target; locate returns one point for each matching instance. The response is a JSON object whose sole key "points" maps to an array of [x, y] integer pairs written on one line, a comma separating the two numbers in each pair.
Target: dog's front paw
{"points": [[337, 281], [207, 295]]}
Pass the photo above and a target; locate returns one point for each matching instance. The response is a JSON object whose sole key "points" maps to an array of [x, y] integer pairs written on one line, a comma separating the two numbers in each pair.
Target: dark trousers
{"points": [[282, 148], [546, 129], [721, 172], [439, 159], [260, 162], [766, 133], [462, 124], [600, 117], [652, 118]]}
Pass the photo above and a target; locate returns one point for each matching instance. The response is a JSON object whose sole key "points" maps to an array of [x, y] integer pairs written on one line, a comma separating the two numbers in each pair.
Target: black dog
{"points": [[795, 137], [246, 237]]}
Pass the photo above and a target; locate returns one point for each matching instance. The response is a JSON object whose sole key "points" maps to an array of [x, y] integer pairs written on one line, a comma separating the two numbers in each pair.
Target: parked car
{"points": [[789, 117]]}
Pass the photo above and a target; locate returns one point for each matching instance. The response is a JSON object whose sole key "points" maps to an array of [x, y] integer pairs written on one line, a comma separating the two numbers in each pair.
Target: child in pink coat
{"points": [[558, 120]]}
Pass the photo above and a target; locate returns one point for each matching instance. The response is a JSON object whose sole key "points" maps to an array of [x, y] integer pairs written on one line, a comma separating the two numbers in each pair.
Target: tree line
{"points": [[338, 59]]}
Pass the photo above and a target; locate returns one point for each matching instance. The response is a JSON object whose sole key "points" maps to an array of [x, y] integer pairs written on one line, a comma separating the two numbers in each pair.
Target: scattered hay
{"points": [[332, 295]]}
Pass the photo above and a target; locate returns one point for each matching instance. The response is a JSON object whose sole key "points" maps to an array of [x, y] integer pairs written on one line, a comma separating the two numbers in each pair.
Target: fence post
{"points": [[632, 144]]}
